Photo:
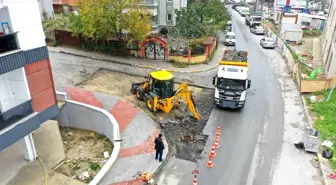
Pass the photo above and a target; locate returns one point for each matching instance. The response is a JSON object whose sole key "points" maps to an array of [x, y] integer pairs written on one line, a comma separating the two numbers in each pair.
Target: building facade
{"points": [[27, 93], [329, 43], [163, 12]]}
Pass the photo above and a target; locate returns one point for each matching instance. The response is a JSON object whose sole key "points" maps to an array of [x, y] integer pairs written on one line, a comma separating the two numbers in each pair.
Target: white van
{"points": [[230, 39]]}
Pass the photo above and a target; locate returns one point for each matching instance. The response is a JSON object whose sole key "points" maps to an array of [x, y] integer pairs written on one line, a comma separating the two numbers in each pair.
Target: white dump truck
{"points": [[231, 81]]}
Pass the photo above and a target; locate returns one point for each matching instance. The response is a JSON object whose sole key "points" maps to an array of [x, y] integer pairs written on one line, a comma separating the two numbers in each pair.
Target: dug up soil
{"points": [[84, 152], [183, 132]]}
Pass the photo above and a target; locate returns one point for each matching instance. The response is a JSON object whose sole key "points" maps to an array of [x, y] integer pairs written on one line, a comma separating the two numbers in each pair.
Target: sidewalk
{"points": [[143, 63], [137, 130]]}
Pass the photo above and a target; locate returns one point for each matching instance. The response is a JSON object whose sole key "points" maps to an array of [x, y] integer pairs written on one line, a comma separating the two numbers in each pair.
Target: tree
{"points": [[138, 23], [201, 19], [188, 23], [101, 19]]}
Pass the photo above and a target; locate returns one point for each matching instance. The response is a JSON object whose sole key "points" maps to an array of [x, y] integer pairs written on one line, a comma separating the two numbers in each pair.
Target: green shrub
{"points": [[312, 33], [95, 166]]}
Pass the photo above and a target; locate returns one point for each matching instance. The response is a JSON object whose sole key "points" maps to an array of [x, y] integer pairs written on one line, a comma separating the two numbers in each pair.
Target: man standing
{"points": [[159, 147]]}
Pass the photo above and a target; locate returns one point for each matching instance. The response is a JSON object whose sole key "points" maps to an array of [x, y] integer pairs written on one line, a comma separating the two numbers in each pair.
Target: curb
{"points": [[133, 65], [324, 176], [319, 158]]}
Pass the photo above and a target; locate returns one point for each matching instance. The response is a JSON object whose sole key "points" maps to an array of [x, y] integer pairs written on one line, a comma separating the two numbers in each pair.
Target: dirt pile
{"points": [[233, 55], [184, 133]]}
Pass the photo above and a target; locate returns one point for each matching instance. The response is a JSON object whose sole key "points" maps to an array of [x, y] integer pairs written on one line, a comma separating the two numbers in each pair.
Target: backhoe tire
{"points": [[150, 103], [139, 93]]}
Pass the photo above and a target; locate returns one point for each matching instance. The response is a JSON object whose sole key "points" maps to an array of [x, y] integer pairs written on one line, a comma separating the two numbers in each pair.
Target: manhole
{"points": [[187, 138]]}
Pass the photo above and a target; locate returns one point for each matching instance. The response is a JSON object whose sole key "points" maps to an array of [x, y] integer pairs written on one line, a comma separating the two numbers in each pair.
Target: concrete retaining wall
{"points": [[83, 116]]}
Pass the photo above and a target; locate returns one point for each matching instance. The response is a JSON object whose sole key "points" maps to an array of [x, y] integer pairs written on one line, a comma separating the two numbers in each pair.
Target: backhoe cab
{"points": [[159, 94]]}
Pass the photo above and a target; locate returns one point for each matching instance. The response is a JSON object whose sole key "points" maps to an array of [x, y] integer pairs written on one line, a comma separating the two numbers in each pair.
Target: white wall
{"points": [[26, 18], [46, 6], [4, 17], [163, 12], [13, 89]]}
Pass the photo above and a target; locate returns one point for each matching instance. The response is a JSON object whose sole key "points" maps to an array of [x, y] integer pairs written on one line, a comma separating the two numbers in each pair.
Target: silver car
{"points": [[267, 43], [258, 30]]}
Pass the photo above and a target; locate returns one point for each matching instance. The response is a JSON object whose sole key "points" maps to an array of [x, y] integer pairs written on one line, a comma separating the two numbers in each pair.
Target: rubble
{"points": [[312, 99], [106, 155], [83, 176], [233, 55]]}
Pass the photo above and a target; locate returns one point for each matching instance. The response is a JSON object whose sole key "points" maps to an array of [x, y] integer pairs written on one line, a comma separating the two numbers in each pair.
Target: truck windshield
{"points": [[230, 37], [224, 83], [257, 19]]}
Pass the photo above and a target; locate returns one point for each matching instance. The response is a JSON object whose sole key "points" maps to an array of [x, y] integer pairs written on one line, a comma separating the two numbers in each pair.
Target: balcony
{"points": [[15, 114], [8, 43]]}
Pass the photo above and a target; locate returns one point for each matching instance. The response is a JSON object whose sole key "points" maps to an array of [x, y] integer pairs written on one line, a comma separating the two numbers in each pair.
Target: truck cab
{"points": [[254, 18], [244, 11], [231, 84]]}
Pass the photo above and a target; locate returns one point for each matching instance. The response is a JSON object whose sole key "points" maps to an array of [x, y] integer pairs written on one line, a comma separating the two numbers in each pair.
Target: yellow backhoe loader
{"points": [[159, 94]]}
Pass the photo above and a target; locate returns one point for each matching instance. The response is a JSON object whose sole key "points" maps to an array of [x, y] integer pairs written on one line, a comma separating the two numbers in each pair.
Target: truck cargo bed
{"points": [[233, 55]]}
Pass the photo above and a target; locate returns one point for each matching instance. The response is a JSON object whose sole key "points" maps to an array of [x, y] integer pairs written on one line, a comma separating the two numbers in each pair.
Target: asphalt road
{"points": [[251, 138]]}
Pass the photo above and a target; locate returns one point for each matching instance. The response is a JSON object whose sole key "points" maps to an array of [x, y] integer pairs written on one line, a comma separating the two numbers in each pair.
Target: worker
{"points": [[159, 147]]}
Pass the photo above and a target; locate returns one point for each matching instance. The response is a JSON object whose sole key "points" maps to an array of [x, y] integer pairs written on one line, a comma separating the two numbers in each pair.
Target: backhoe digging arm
{"points": [[189, 100]]}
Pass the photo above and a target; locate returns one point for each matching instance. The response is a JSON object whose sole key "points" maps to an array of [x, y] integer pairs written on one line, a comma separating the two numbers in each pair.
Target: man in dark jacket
{"points": [[159, 147]]}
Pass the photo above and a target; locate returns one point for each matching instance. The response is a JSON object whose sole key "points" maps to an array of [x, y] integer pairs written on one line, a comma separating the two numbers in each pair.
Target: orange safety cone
{"points": [[213, 152], [209, 163], [218, 133], [216, 143], [195, 181], [218, 128], [218, 138]]}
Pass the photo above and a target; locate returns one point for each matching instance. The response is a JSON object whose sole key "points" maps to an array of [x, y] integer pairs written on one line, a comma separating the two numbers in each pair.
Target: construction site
{"points": [[180, 126]]}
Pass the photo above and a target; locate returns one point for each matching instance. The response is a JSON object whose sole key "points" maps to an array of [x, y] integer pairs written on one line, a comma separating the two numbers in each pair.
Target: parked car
{"points": [[267, 43], [230, 39], [258, 30]]}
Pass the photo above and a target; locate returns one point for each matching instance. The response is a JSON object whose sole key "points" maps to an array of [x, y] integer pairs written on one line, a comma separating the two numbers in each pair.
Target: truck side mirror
{"points": [[248, 84], [214, 80]]}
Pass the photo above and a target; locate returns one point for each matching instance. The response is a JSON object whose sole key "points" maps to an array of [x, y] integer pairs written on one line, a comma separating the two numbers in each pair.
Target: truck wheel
{"points": [[150, 103], [139, 93]]}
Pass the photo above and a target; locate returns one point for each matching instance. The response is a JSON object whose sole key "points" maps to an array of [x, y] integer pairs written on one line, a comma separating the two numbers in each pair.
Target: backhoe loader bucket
{"points": [[135, 86]]}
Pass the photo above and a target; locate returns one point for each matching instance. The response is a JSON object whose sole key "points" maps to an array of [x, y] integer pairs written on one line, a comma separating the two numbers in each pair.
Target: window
{"points": [[169, 0], [304, 23], [169, 17]]}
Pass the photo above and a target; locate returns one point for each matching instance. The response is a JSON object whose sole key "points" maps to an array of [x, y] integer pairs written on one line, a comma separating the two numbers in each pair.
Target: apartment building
{"points": [[163, 12], [329, 43], [27, 94]]}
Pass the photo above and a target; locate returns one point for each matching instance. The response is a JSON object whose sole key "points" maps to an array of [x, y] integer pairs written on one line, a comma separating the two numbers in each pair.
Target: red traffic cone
{"points": [[216, 143], [195, 181], [218, 133], [213, 152], [209, 163]]}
